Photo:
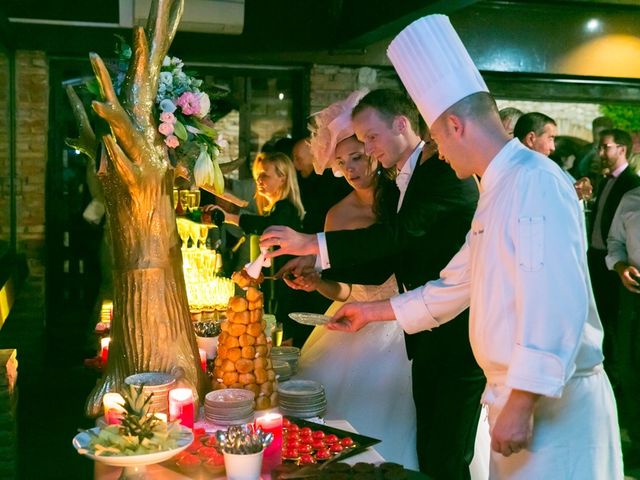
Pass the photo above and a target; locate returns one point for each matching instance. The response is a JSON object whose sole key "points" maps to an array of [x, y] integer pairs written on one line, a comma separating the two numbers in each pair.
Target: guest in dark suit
{"points": [[613, 149], [423, 222]]}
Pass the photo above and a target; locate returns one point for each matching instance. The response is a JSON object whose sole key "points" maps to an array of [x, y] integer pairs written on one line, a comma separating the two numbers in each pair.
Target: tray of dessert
{"points": [[305, 442], [343, 471]]}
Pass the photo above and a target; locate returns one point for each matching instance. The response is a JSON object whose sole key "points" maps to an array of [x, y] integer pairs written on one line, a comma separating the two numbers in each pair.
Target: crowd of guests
{"points": [[456, 206]]}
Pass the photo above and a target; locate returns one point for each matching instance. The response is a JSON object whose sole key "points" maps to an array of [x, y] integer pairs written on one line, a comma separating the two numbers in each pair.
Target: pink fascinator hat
{"points": [[332, 125]]}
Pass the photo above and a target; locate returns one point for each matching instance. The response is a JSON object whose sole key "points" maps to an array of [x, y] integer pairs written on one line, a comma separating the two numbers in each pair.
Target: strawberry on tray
{"points": [[306, 442]]}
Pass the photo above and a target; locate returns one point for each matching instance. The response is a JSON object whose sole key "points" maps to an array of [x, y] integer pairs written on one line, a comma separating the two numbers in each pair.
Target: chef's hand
{"points": [[297, 266], [351, 317], [289, 241], [514, 426]]}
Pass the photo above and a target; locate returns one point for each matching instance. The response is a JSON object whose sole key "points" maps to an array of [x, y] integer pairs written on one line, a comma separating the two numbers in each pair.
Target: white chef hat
{"points": [[434, 65], [332, 125]]}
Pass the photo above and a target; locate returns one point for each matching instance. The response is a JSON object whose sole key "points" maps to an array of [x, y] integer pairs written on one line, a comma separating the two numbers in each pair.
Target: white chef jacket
{"points": [[623, 243], [523, 272], [533, 323]]}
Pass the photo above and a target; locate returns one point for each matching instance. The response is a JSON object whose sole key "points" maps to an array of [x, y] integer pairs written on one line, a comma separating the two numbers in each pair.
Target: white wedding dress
{"points": [[367, 378]]}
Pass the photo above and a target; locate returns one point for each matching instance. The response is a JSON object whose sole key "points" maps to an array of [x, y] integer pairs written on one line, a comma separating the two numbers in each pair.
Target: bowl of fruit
{"points": [[140, 439]]}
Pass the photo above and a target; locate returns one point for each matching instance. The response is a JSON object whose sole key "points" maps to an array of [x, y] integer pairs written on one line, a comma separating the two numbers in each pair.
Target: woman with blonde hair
{"points": [[278, 201]]}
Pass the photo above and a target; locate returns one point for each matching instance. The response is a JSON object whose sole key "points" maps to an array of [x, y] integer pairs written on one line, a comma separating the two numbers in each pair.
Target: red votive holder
{"points": [[271, 423], [113, 404], [181, 406], [203, 359], [104, 349]]}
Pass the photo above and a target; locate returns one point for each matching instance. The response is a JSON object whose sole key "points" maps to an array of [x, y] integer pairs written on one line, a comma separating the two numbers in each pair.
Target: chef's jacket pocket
{"points": [[531, 243]]}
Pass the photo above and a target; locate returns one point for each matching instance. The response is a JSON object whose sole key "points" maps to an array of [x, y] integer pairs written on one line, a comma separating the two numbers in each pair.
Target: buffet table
{"points": [[168, 470]]}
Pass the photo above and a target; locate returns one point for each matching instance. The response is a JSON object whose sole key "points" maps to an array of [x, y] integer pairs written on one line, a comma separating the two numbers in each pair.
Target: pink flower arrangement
{"points": [[172, 141], [189, 103], [166, 128], [168, 117]]}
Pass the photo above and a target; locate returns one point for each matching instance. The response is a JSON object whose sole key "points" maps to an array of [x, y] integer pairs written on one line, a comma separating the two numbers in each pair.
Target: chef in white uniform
{"points": [[534, 327]]}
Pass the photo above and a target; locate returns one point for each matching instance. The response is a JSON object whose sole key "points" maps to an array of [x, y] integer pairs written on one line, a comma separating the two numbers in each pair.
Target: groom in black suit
{"points": [[422, 224]]}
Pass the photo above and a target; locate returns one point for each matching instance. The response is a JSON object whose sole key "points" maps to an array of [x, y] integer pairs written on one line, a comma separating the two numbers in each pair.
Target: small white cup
{"points": [[243, 467], [209, 345]]}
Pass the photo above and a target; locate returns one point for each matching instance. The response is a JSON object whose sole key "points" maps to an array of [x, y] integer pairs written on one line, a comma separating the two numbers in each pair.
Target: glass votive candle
{"points": [[203, 359], [113, 404], [104, 349], [181, 406], [271, 423]]}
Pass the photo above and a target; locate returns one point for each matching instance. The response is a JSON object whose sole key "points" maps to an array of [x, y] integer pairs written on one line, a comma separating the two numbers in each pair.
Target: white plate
{"points": [[82, 440], [310, 318], [300, 387]]}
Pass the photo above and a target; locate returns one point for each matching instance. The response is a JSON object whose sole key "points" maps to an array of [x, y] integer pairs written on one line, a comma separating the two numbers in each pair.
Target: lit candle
{"points": [[203, 359], [104, 349], [181, 406], [271, 423], [113, 408]]}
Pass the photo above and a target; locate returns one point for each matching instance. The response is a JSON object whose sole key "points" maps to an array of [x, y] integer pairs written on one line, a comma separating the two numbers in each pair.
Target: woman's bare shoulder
{"points": [[348, 214]]}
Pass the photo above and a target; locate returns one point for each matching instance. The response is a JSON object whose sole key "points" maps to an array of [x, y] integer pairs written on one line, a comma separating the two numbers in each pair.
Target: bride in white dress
{"points": [[367, 376]]}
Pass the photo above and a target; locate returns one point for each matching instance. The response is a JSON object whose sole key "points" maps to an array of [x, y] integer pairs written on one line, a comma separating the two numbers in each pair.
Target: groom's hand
{"points": [[351, 317], [289, 241]]}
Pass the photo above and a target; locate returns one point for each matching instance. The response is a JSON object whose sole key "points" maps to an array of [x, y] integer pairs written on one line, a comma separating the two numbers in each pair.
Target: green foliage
{"points": [[625, 117]]}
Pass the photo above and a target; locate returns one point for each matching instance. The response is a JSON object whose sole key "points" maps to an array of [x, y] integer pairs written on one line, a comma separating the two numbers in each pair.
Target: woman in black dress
{"points": [[278, 201]]}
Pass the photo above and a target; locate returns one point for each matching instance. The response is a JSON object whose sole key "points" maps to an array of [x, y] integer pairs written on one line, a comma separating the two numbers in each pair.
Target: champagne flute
{"points": [[175, 198], [203, 234], [183, 232], [192, 201], [184, 200], [196, 198]]}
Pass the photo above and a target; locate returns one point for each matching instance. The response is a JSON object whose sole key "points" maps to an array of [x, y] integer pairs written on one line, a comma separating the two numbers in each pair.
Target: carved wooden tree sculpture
{"points": [[151, 328]]}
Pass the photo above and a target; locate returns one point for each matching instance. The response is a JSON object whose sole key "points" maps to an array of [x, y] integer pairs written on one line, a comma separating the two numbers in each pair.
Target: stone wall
{"points": [[330, 83], [32, 125], [573, 119]]}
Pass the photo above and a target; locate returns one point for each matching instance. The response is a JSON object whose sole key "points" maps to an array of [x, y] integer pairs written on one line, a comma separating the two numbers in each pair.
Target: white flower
{"points": [[166, 61], [167, 106], [166, 79], [192, 129], [205, 105]]}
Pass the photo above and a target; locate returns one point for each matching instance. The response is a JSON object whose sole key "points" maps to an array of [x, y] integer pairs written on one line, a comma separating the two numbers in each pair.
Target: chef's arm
{"points": [[438, 301]]}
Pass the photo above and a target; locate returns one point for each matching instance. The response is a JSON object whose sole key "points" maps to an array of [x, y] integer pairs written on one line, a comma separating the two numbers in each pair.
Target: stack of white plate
{"points": [[282, 369], [156, 383], [288, 354], [231, 406], [302, 398]]}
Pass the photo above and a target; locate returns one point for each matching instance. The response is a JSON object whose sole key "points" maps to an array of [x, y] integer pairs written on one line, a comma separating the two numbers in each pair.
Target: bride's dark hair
{"points": [[385, 180]]}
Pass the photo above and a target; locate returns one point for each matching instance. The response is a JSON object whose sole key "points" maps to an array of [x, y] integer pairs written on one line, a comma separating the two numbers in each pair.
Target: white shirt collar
{"points": [[410, 165], [616, 173], [498, 165]]}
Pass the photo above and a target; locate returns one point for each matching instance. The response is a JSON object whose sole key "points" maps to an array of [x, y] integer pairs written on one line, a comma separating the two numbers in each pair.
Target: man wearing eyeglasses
{"points": [[613, 149]]}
